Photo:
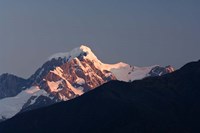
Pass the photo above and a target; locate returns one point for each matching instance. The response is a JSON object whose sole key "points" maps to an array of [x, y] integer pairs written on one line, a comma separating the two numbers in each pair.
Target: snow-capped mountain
{"points": [[65, 76]]}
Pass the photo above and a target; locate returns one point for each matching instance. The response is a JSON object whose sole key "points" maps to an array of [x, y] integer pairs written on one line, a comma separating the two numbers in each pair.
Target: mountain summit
{"points": [[68, 75]]}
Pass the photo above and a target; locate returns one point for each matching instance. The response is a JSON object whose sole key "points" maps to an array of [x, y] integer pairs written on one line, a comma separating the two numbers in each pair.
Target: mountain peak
{"points": [[85, 48], [90, 55], [76, 52]]}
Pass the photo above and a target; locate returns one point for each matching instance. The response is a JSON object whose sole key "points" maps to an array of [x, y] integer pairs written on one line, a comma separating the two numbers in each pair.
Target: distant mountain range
{"points": [[166, 104], [63, 77]]}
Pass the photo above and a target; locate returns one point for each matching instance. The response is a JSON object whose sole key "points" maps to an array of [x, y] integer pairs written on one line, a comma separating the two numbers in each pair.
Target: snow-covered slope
{"points": [[12, 105], [125, 72]]}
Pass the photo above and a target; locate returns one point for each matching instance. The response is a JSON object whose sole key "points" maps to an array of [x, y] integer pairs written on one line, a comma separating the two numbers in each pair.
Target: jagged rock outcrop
{"points": [[159, 71]]}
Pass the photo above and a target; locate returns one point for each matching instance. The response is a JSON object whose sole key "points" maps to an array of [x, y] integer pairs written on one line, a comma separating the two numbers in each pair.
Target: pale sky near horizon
{"points": [[138, 32]]}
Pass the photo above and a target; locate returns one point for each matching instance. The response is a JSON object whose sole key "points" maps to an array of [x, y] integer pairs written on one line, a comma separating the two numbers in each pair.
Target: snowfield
{"points": [[12, 105]]}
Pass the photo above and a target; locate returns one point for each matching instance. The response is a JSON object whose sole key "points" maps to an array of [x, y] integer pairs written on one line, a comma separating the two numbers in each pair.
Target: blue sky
{"points": [[138, 32]]}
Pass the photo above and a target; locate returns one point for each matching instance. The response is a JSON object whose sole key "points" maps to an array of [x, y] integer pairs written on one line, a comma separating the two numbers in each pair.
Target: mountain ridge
{"points": [[8, 82], [167, 104]]}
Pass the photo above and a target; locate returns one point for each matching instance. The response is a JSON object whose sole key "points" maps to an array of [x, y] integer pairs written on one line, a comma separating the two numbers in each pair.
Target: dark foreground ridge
{"points": [[167, 104]]}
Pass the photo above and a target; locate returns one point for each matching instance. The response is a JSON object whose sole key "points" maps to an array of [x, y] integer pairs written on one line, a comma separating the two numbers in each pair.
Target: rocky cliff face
{"points": [[71, 78]]}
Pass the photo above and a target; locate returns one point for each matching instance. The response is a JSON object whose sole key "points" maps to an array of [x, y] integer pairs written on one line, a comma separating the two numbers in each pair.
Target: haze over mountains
{"points": [[63, 77]]}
